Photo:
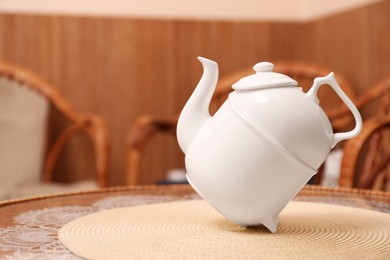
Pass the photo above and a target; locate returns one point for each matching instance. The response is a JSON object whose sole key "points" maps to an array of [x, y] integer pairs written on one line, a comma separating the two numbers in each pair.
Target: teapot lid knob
{"points": [[263, 67], [264, 78]]}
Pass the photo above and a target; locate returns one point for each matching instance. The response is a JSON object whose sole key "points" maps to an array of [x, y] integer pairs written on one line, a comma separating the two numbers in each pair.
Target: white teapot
{"points": [[261, 147]]}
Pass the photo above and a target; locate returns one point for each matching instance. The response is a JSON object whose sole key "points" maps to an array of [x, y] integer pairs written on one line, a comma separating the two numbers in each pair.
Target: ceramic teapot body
{"points": [[261, 147]]}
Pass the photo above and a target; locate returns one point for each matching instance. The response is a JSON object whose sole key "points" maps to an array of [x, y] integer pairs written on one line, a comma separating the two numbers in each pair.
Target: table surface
{"points": [[28, 227]]}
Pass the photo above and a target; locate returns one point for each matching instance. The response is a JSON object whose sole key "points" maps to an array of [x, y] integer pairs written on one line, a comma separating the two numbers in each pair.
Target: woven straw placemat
{"points": [[194, 230]]}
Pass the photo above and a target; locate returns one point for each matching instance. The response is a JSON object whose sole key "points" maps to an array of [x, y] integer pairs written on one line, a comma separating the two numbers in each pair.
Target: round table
{"points": [[29, 226]]}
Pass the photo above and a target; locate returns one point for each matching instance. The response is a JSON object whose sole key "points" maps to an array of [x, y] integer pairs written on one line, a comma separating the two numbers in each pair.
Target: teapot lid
{"points": [[264, 78]]}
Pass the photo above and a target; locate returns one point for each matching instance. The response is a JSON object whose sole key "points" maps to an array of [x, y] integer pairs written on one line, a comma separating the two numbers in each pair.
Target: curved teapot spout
{"points": [[196, 111]]}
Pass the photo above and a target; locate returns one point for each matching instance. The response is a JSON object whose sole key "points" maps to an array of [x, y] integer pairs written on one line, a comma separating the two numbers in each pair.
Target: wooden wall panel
{"points": [[354, 43], [121, 68]]}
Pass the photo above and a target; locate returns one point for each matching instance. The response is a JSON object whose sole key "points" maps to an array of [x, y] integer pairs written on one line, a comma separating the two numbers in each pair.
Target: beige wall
{"points": [[253, 10], [121, 68]]}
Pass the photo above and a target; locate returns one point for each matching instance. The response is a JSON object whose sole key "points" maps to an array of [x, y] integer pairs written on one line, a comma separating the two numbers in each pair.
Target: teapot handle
{"points": [[331, 80]]}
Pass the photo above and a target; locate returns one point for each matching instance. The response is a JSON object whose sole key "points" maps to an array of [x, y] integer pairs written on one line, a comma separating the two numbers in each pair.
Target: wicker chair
{"points": [[145, 127], [366, 159], [26, 101]]}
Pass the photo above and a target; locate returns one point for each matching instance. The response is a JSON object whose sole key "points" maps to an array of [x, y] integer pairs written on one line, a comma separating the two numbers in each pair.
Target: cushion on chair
{"points": [[23, 123]]}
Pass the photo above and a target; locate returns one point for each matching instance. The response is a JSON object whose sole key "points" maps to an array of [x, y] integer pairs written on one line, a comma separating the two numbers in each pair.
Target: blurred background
{"points": [[123, 59]]}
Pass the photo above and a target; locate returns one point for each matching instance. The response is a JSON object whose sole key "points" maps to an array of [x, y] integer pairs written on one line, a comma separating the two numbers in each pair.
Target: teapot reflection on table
{"points": [[262, 145]]}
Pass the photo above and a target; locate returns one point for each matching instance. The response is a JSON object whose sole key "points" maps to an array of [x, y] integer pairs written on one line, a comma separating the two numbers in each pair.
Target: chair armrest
{"points": [[98, 132], [140, 133], [96, 129], [94, 126], [352, 150]]}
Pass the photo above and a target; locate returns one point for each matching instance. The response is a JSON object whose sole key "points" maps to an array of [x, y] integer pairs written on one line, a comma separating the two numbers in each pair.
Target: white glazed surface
{"points": [[249, 181], [261, 147], [293, 122]]}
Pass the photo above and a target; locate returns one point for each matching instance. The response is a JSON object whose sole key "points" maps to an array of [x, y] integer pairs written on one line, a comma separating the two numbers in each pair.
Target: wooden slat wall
{"points": [[121, 68]]}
